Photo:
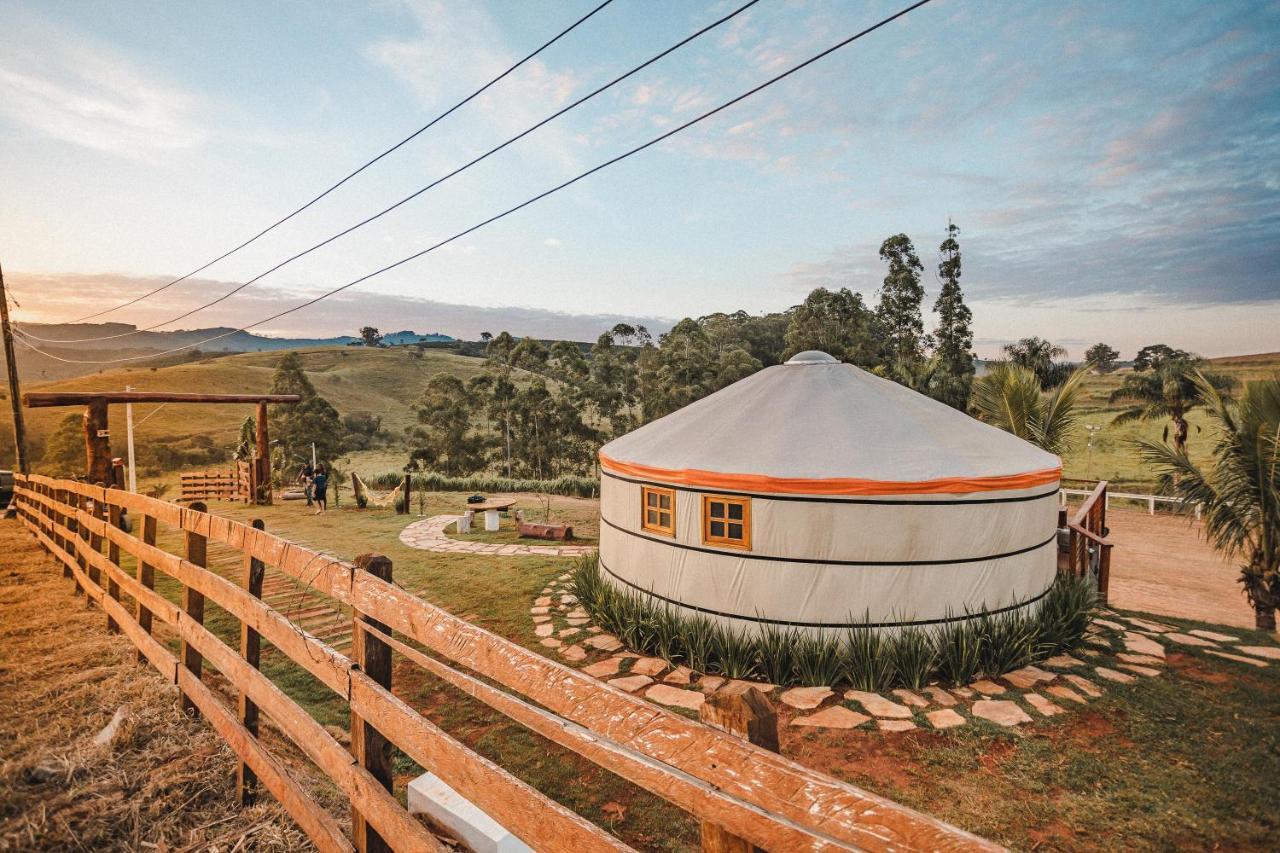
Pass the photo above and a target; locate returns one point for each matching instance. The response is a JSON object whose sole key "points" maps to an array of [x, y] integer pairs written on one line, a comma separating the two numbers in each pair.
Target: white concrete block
{"points": [[429, 795]]}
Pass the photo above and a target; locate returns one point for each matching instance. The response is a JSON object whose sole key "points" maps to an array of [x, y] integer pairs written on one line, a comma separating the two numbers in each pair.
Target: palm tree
{"points": [[1239, 495], [1009, 396], [1169, 391]]}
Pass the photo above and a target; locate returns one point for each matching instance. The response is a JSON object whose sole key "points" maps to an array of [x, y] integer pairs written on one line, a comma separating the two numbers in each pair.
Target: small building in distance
{"points": [[816, 495]]}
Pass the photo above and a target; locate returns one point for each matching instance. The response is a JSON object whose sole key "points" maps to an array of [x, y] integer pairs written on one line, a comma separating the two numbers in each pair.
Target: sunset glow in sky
{"points": [[1114, 166]]}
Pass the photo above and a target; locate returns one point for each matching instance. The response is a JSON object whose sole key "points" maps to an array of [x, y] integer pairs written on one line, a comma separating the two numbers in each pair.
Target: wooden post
{"points": [[146, 576], [97, 441], [750, 715], [15, 393], [113, 554], [197, 551], [371, 750], [59, 516], [81, 534], [95, 541], [250, 650], [262, 460], [406, 487]]}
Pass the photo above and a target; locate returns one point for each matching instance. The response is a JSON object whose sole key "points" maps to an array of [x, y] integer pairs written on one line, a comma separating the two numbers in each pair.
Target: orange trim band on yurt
{"points": [[830, 486]]}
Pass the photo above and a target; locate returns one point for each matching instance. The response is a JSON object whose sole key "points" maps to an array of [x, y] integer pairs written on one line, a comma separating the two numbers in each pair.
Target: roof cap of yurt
{"points": [[817, 426]]}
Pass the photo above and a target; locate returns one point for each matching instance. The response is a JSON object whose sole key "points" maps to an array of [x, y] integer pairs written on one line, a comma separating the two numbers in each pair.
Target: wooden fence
{"points": [[231, 484], [1088, 551], [756, 796]]}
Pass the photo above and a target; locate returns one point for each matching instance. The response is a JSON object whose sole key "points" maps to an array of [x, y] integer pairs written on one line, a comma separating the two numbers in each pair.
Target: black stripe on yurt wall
{"points": [[825, 499], [748, 555], [789, 623]]}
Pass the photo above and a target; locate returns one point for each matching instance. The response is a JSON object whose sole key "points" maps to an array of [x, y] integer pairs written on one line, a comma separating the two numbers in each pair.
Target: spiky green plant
{"points": [[817, 659], [868, 661], [959, 646], [1008, 640], [734, 654], [1064, 614], [668, 634], [775, 646], [699, 642], [914, 657]]}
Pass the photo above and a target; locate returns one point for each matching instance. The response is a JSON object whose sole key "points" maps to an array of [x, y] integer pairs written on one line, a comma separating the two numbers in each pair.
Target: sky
{"points": [[1114, 167]]}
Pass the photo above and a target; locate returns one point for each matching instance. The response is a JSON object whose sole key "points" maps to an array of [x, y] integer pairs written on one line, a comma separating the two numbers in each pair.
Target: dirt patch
{"points": [[1188, 667], [94, 754]]}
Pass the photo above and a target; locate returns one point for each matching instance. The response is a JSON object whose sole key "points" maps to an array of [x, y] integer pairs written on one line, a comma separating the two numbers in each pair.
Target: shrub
{"points": [[581, 487], [775, 647], [1008, 640], [700, 642], [734, 653]]}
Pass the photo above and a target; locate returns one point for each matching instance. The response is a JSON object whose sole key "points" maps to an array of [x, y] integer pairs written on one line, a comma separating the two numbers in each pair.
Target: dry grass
{"points": [[161, 781]]}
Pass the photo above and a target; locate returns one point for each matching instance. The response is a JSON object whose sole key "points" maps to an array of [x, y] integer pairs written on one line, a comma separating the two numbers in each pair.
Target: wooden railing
{"points": [[231, 484], [753, 794], [1088, 551]]}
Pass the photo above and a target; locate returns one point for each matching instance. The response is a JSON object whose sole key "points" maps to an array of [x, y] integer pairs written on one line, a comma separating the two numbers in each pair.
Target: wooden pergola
{"points": [[97, 431]]}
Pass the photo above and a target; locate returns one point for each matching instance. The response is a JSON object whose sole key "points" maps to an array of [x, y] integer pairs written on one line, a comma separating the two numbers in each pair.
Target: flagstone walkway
{"points": [[1118, 650], [428, 534]]}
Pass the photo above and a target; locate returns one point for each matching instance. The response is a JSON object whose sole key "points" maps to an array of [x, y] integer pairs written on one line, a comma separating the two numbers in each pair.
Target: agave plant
{"points": [[1239, 493], [959, 646], [1065, 614], [734, 653], [914, 657], [868, 660], [775, 646], [818, 660], [699, 642], [1008, 640], [668, 634]]}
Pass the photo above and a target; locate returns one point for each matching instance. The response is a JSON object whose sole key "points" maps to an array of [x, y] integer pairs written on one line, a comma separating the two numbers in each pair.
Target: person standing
{"points": [[305, 476], [320, 489]]}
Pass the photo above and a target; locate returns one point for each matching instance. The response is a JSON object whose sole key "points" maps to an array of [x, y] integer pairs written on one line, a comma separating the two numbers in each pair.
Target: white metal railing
{"points": [[1149, 500]]}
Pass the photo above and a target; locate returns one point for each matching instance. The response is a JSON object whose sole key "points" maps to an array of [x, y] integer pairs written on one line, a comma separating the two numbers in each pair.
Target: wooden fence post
{"points": [[95, 541], [371, 750], [82, 535], [114, 515], [251, 651], [405, 488], [750, 715], [60, 517], [197, 552], [146, 576]]}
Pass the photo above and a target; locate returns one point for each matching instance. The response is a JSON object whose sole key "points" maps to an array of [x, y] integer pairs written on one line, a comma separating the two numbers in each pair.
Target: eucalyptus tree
{"points": [[954, 333], [837, 322], [901, 296]]}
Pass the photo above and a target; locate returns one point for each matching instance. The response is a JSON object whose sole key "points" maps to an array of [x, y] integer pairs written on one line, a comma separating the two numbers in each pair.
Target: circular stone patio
{"points": [[1118, 650], [428, 534]]}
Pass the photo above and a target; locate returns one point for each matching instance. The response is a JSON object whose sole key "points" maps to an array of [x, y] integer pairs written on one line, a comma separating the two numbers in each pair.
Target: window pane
{"points": [[650, 499], [664, 519], [717, 528], [717, 509], [664, 501], [735, 512], [650, 517], [735, 531]]}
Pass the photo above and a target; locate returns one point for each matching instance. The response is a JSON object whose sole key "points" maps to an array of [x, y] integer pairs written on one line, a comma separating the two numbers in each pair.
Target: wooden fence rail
{"points": [[1088, 551], [753, 793], [231, 484]]}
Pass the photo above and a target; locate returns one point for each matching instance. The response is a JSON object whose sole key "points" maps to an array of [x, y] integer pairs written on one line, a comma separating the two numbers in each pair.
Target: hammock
{"points": [[382, 499]]}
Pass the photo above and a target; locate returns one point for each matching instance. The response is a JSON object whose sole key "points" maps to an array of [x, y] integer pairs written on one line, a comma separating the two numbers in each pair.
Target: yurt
{"points": [[816, 495]]}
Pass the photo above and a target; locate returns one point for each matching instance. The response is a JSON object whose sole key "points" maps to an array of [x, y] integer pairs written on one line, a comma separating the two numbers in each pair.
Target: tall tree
{"points": [[1102, 357], [901, 296], [1040, 357], [837, 322], [371, 336], [1171, 391], [954, 332], [1238, 494], [442, 438], [297, 426], [1152, 356]]}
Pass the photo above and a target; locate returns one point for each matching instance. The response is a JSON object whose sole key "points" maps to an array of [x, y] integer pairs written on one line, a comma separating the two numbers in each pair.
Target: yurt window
{"points": [[726, 521], [658, 510]]}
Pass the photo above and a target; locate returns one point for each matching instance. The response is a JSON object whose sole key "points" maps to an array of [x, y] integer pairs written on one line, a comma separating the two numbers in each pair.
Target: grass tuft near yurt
{"points": [[953, 653]]}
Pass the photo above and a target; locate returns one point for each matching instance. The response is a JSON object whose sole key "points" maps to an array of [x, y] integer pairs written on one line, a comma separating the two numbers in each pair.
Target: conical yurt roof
{"points": [[817, 426]]}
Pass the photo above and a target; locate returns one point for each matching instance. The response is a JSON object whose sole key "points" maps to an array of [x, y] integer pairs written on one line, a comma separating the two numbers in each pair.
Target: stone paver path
{"points": [[428, 534]]}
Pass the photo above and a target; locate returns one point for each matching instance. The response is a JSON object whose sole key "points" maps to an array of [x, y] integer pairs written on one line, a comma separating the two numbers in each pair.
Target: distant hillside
{"points": [[384, 382], [33, 366]]}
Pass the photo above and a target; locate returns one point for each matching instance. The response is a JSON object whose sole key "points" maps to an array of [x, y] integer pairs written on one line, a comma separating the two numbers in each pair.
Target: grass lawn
{"points": [[1186, 759]]}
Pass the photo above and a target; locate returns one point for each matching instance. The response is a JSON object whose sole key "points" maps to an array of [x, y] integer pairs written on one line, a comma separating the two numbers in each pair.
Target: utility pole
{"points": [[15, 393], [128, 421]]}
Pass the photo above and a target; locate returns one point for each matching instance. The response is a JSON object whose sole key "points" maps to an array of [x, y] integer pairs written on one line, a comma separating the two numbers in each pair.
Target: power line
{"points": [[393, 148], [572, 106], [606, 164]]}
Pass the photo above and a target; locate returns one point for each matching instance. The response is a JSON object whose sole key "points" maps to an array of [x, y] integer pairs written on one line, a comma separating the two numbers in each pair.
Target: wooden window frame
{"points": [[645, 491], [724, 541]]}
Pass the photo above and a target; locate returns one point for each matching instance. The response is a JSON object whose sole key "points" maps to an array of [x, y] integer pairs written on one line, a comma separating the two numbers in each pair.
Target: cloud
{"points": [[81, 91]]}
